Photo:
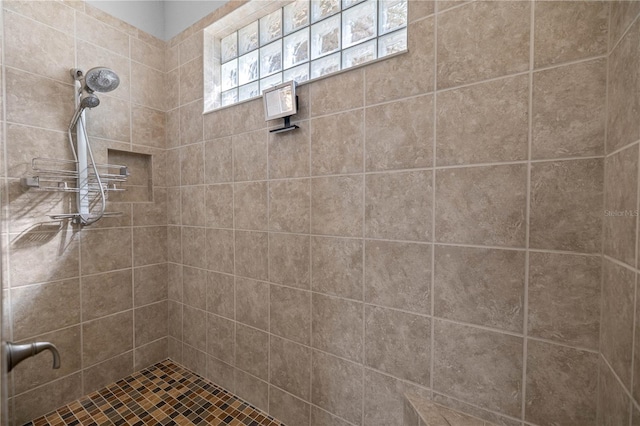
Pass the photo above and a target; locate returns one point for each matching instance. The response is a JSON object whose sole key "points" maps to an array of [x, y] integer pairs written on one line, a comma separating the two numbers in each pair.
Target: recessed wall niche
{"points": [[139, 186]]}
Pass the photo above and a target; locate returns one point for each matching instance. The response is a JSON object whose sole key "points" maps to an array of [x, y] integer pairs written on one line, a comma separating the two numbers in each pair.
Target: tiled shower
{"points": [[458, 222]]}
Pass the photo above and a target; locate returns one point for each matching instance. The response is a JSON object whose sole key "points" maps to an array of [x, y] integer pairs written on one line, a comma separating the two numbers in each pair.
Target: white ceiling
{"points": [[162, 18]]}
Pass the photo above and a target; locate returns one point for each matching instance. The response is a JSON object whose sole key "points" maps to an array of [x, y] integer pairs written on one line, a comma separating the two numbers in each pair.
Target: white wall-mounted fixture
{"points": [[281, 101]]}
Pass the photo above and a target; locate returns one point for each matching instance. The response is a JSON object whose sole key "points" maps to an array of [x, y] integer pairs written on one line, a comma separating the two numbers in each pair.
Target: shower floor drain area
{"points": [[164, 394]]}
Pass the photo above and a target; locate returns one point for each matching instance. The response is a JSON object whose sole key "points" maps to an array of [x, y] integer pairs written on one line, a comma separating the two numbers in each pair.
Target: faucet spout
{"points": [[16, 353]]}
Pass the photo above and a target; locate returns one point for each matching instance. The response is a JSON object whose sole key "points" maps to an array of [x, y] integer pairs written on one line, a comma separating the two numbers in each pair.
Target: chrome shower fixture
{"points": [[98, 79]]}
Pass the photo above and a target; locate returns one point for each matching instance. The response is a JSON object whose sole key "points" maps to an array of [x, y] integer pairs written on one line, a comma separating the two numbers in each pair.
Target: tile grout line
{"points": [[434, 148], [131, 225], [525, 314], [364, 232]]}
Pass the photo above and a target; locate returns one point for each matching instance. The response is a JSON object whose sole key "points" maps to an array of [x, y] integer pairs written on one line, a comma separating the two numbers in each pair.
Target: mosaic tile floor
{"points": [[164, 394]]}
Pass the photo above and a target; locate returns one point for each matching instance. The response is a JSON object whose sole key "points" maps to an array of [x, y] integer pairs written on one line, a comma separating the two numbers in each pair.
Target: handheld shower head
{"points": [[88, 100], [101, 79]]}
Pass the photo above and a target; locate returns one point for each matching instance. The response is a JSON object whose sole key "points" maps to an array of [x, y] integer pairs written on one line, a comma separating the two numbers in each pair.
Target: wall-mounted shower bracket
{"points": [[82, 175]]}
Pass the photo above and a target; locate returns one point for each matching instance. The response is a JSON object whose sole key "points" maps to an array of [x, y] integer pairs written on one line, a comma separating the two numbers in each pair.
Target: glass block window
{"points": [[308, 39]]}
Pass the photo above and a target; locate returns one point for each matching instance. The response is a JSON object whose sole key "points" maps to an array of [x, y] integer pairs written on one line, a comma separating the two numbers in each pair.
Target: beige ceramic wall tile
{"points": [[218, 161], [252, 351], [220, 373], [111, 120], [42, 400], [172, 89], [194, 287], [289, 205], [399, 205], [336, 206], [106, 294], [153, 353], [24, 143], [384, 399], [613, 402], [480, 286], [27, 93], [339, 93], [252, 389], [623, 13], [252, 303], [148, 127], [481, 205], [34, 263], [321, 417], [107, 250], [174, 243], [290, 367], [173, 167], [191, 123], [564, 298], [567, 31], [337, 143], [219, 250], [220, 294], [289, 262], [191, 48], [191, 86], [289, 153], [250, 156], [418, 9], [54, 14], [398, 275], [566, 202], [37, 371], [151, 323], [337, 326], [616, 329], [251, 206], [561, 385], [251, 254], [620, 202], [499, 49], [623, 103], [417, 68], [150, 284], [483, 123], [192, 168], [337, 386], [194, 359], [50, 51], [221, 338], [147, 54], [106, 337], [290, 313], [195, 328], [398, 343], [400, 135], [219, 206], [568, 112], [103, 35], [174, 281], [478, 366], [149, 245], [194, 246], [288, 408], [147, 86], [337, 266]]}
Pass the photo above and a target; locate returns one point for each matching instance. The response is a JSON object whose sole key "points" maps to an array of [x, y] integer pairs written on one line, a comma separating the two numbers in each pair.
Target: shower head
{"points": [[101, 79], [88, 100]]}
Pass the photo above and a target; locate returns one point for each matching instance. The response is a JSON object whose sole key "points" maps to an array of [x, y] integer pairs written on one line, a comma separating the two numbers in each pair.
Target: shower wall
{"points": [[434, 226], [99, 292], [620, 323]]}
